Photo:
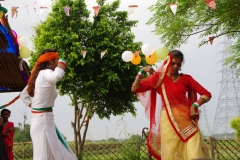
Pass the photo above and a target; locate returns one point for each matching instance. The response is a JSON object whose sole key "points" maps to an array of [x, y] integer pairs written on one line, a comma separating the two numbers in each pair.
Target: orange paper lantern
{"points": [[136, 59], [151, 59]]}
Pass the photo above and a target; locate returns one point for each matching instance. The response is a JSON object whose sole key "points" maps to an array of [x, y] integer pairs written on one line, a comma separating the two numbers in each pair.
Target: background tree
{"points": [[111, 139], [24, 114], [95, 85], [235, 124], [136, 138], [22, 135], [195, 17]]}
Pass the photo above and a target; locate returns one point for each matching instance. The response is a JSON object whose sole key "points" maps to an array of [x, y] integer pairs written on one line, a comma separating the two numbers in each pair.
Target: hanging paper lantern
{"points": [[34, 6], [2, 11], [211, 39], [127, 56], [27, 9], [173, 7], [42, 9], [148, 49], [1, 14], [14, 10], [24, 52], [131, 8], [66, 10], [103, 53], [162, 53], [96, 10], [84, 52], [211, 3], [23, 41], [136, 59], [2, 21], [151, 59], [15, 37]]}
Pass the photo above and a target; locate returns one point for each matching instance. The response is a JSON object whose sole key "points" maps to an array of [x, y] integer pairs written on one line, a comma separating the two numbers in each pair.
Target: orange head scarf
{"points": [[44, 58]]}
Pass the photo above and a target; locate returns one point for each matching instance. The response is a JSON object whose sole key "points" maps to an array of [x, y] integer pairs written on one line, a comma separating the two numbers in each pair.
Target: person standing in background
{"points": [[7, 133]]}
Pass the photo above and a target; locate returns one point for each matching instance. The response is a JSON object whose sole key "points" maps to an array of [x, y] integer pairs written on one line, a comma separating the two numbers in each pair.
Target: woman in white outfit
{"points": [[40, 95]]}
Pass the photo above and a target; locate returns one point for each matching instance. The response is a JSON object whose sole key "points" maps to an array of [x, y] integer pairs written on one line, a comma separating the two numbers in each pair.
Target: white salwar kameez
{"points": [[46, 143]]}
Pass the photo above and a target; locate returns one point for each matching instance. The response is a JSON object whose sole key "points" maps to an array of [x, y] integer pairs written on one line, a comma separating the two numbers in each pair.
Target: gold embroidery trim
{"points": [[187, 131]]}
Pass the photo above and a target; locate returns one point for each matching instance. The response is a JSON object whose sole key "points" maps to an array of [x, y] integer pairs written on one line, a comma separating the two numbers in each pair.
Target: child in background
{"points": [[3, 153], [7, 133]]}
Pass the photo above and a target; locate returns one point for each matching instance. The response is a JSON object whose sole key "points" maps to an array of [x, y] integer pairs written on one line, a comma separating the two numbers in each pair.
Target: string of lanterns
{"points": [[22, 42], [152, 55]]}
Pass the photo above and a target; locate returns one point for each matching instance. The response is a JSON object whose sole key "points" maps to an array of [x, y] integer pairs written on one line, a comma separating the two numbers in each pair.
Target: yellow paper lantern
{"points": [[162, 53], [24, 52], [151, 59], [136, 59], [1, 14]]}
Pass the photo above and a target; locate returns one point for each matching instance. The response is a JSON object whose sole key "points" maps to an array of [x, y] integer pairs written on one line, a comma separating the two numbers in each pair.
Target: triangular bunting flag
{"points": [[27, 9], [173, 7], [211, 39], [136, 53], [84, 52], [131, 8], [103, 53], [96, 10], [211, 3], [14, 11], [42, 9], [34, 6], [66, 10]]}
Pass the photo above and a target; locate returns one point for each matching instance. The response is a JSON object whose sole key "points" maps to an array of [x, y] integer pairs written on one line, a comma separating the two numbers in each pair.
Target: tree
{"points": [[136, 138], [195, 17], [111, 139], [95, 85], [24, 113], [235, 124], [22, 135], [88, 140]]}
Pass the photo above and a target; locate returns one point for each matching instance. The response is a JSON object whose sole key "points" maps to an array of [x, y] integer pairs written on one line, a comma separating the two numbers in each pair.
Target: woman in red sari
{"points": [[171, 103], [7, 133]]}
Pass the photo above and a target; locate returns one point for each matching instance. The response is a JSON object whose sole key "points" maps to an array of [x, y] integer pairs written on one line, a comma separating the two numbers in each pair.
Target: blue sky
{"points": [[202, 63]]}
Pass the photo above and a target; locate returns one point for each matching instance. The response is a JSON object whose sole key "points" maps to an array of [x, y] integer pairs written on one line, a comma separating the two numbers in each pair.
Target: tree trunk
{"points": [[79, 133], [84, 135], [79, 122], [75, 129]]}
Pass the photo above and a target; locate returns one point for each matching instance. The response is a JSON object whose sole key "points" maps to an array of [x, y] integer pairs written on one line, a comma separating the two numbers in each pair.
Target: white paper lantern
{"points": [[148, 49], [23, 41], [127, 56]]}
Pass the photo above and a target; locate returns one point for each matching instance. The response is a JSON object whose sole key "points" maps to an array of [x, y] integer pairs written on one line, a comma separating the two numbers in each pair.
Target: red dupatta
{"points": [[8, 140], [172, 102]]}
